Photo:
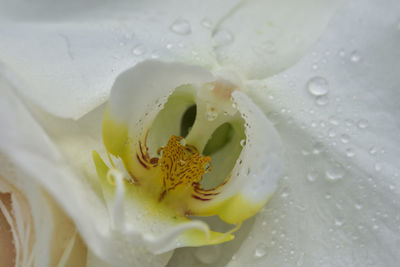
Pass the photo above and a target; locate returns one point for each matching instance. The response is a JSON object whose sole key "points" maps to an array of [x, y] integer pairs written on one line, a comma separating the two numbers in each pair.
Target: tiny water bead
{"points": [[318, 86], [207, 23], [312, 176], [362, 124], [181, 27], [355, 57], [335, 172], [261, 250], [138, 50]]}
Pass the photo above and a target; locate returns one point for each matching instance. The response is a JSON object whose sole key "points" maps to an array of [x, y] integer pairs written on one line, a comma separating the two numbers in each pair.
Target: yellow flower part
{"points": [[182, 143]]}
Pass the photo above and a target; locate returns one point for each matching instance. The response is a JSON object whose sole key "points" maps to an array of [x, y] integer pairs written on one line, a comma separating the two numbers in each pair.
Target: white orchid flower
{"points": [[334, 129], [34, 231]]}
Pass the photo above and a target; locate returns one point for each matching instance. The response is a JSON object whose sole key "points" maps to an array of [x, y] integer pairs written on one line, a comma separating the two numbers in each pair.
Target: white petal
{"points": [[263, 37], [70, 53], [28, 147], [339, 204]]}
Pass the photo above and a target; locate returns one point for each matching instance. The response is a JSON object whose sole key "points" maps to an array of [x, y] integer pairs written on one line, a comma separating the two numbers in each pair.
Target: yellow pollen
{"points": [[181, 165]]}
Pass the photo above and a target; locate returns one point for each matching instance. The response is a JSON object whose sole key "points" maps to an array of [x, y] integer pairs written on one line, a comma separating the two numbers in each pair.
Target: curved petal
{"points": [[339, 203], [70, 53], [30, 149], [263, 37]]}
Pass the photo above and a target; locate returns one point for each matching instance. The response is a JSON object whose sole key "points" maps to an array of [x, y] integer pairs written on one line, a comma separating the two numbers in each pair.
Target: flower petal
{"points": [[253, 180], [339, 203], [261, 38], [29, 148], [70, 53]]}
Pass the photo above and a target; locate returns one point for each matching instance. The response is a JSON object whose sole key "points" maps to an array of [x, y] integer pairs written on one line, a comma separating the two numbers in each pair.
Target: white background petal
{"points": [[339, 203], [69, 53], [263, 37]]}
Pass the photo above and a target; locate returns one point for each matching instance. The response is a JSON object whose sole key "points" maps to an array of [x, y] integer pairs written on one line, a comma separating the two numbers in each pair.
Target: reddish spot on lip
{"points": [[202, 199], [141, 162]]}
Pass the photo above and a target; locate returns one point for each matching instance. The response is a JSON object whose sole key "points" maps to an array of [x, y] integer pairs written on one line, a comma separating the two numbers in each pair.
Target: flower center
{"points": [[181, 165]]}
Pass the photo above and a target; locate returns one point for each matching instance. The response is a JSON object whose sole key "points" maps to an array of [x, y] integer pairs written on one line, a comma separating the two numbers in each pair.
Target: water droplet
{"points": [[181, 26], [378, 166], [208, 254], [331, 132], [358, 206], [355, 57], [318, 148], [341, 53], [312, 176], [333, 120], [344, 138], [243, 142], [318, 86], [372, 150], [350, 152], [362, 124], [338, 222], [207, 23], [222, 37], [211, 114], [335, 172], [322, 100], [284, 194], [138, 50], [261, 250]]}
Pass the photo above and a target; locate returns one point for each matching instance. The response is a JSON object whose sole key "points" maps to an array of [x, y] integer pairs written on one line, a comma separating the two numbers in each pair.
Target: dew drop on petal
{"points": [[243, 142], [138, 50], [312, 176], [261, 250], [362, 124], [358, 206], [181, 26], [318, 148], [338, 222], [344, 138], [355, 57], [222, 37], [350, 152], [334, 172], [207, 23], [318, 86]]}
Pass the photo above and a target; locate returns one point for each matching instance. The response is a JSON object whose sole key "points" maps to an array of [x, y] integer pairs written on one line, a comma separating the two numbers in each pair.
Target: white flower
{"points": [[34, 230], [335, 112]]}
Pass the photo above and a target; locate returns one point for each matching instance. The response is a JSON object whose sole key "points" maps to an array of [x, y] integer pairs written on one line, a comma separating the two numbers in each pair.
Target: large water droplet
{"points": [[261, 250], [208, 254], [222, 37], [318, 86], [335, 172], [181, 26]]}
